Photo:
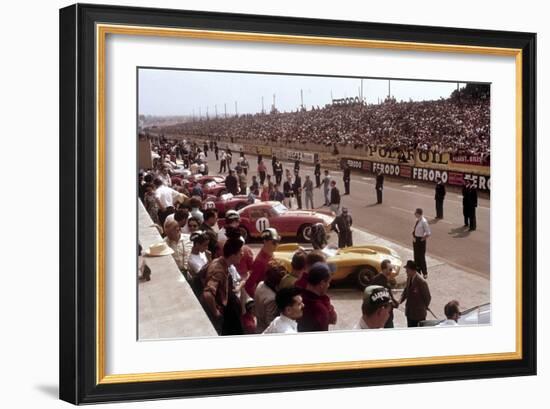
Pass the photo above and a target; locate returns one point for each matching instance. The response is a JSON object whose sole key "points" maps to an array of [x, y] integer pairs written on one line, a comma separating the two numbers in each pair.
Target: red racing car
{"points": [[289, 223], [226, 202]]}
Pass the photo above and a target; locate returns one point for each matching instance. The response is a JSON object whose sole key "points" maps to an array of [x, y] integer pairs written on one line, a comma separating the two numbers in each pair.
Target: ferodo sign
{"points": [[429, 175], [480, 182], [387, 168]]}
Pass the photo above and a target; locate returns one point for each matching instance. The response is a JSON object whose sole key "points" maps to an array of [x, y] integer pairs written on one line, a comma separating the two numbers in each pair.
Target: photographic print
{"points": [[284, 203], [260, 204]]}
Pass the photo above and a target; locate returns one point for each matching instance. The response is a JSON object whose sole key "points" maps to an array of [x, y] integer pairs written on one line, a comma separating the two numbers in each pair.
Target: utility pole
{"points": [[225, 109], [216, 109], [263, 111], [302, 98], [207, 118], [273, 102], [361, 90], [200, 114], [389, 89], [236, 111]]}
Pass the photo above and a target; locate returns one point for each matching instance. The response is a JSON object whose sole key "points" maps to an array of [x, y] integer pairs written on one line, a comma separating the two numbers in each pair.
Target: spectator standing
{"points": [[376, 308], [232, 183], [342, 226], [216, 152], [278, 171], [439, 197], [298, 265], [151, 203], [318, 311], [297, 188], [291, 308], [205, 148], [211, 220], [326, 188], [223, 162], [420, 233], [417, 294], [174, 240], [296, 166], [346, 178], [383, 278], [270, 239], [242, 181], [288, 192], [261, 171], [255, 186], [200, 256], [244, 164], [317, 173], [379, 186], [264, 296], [277, 195], [465, 202], [472, 204], [308, 189], [221, 303], [196, 212], [334, 198]]}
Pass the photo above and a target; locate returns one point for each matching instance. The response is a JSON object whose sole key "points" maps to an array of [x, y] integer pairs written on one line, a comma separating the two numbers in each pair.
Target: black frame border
{"points": [[78, 197]]}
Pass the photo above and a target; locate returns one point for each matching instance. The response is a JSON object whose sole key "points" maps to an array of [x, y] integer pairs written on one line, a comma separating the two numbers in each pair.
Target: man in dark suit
{"points": [[231, 183], [334, 198], [379, 186], [342, 226], [417, 294], [472, 203], [278, 171], [465, 202], [317, 173], [439, 197], [346, 178], [297, 188]]}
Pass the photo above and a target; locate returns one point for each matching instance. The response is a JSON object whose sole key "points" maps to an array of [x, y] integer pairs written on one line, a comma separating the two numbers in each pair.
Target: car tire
{"points": [[364, 276], [304, 233]]}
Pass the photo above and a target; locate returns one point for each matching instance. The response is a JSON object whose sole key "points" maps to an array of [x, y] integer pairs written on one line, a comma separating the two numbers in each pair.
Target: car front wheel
{"points": [[364, 276], [304, 234]]}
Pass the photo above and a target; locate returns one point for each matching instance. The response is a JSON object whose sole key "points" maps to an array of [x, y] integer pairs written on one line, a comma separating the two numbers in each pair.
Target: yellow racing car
{"points": [[358, 263]]}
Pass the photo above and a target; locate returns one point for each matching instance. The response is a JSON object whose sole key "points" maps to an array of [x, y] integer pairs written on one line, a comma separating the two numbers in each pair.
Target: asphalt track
{"points": [[394, 218]]}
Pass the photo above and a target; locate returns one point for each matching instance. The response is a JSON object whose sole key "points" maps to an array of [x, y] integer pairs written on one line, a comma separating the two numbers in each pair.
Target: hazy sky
{"points": [[181, 92]]}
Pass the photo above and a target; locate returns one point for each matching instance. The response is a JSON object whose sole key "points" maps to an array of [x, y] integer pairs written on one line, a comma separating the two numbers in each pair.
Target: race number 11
{"points": [[262, 223]]}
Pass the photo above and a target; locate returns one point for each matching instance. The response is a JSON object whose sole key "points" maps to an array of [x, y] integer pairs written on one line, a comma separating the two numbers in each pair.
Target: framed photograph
{"points": [[258, 204]]}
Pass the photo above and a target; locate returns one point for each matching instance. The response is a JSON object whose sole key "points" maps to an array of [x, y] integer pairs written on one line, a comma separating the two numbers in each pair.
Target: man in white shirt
{"points": [[290, 306], [376, 308], [452, 312], [421, 232], [199, 256]]}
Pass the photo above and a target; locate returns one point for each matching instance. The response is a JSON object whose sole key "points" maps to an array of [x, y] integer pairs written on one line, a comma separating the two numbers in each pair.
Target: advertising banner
{"points": [[477, 160], [291, 155], [434, 160]]}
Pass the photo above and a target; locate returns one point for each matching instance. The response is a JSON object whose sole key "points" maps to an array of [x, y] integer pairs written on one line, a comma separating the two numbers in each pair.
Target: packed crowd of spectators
{"points": [[459, 124]]}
